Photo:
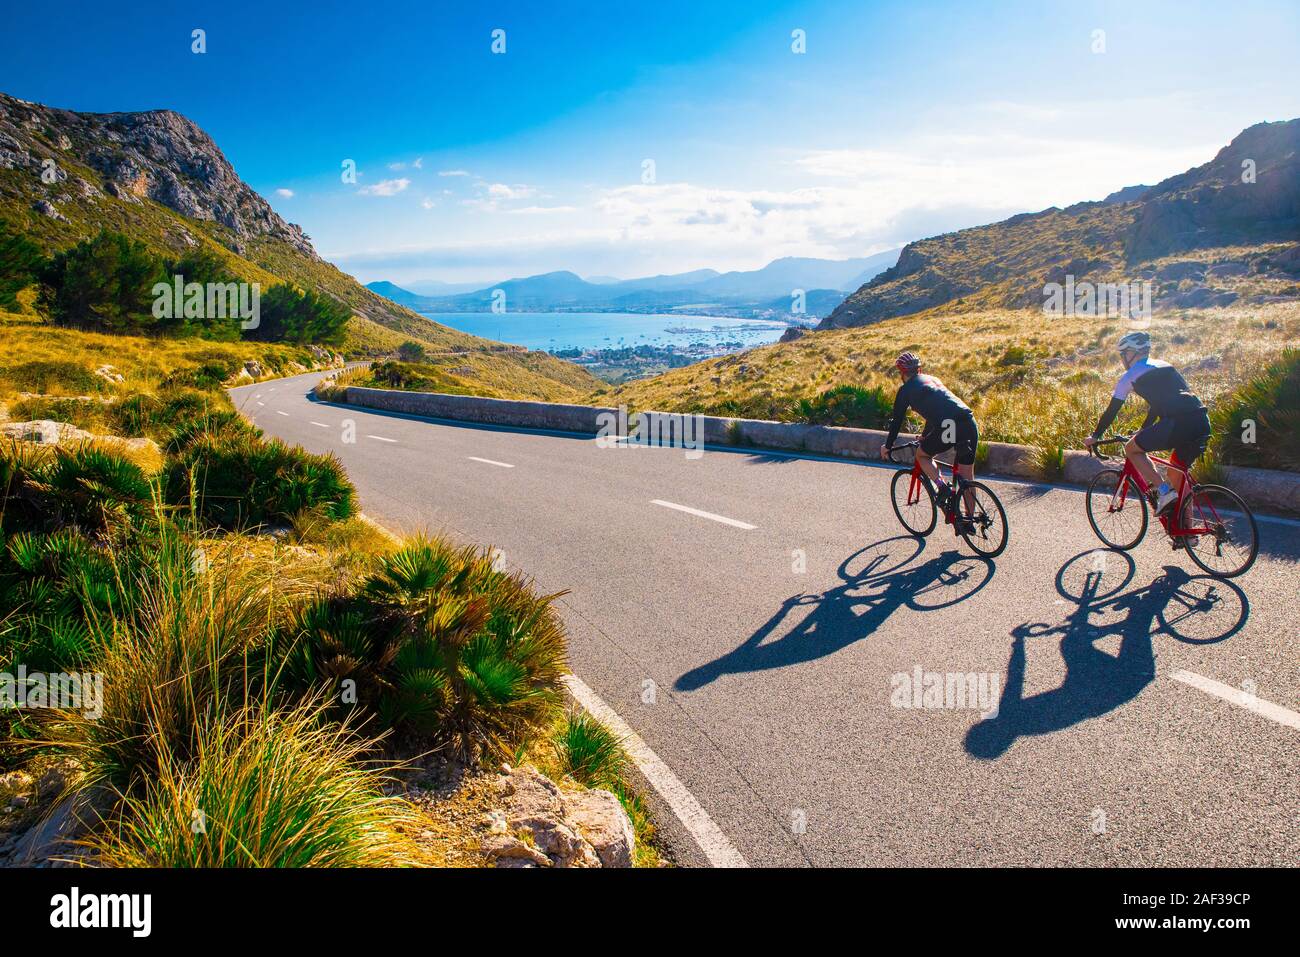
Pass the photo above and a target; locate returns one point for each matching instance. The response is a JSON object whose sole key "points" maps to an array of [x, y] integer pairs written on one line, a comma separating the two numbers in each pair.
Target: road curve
{"points": [[759, 619]]}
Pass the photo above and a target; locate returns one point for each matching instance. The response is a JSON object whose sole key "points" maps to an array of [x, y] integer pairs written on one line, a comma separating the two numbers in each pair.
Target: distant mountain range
{"points": [[769, 290], [1221, 233]]}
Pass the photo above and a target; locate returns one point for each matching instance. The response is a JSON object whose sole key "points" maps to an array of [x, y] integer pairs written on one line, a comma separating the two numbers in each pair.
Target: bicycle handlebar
{"points": [[915, 443], [1109, 440]]}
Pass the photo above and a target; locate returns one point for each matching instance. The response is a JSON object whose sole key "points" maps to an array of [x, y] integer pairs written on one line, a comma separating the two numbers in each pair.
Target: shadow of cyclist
{"points": [[1097, 682], [853, 610]]}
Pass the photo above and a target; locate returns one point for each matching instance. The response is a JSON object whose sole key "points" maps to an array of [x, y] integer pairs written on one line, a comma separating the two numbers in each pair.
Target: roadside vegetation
{"points": [[494, 375], [1031, 379], [278, 683], [269, 658]]}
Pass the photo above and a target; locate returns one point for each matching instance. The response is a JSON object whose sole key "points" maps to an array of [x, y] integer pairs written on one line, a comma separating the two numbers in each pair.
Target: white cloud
{"points": [[387, 187], [503, 191], [428, 203], [285, 193], [418, 162], [541, 210], [454, 172]]}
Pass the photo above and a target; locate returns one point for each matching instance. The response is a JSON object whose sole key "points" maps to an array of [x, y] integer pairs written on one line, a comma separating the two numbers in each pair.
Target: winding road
{"points": [[784, 652]]}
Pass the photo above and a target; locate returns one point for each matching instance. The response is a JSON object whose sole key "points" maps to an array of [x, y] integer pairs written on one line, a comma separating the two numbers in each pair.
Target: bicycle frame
{"points": [[919, 479], [1171, 519]]}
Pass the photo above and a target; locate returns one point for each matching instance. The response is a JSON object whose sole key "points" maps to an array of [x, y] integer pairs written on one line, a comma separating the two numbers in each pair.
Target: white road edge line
{"points": [[321, 424], [716, 846], [380, 438], [1239, 697], [475, 458], [702, 514]]}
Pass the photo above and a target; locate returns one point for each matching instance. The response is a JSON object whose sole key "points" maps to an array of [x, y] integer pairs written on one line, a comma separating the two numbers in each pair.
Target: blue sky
{"points": [[899, 121]]}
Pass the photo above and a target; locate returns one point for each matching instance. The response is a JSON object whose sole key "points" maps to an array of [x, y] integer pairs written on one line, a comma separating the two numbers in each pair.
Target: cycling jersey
{"points": [[1160, 384], [930, 399]]}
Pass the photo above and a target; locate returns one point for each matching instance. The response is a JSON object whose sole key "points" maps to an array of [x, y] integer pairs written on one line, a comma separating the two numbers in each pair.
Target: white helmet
{"points": [[1135, 342]]}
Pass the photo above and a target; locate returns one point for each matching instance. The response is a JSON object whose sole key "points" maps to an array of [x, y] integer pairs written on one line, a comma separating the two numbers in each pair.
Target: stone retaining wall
{"points": [[1274, 490]]}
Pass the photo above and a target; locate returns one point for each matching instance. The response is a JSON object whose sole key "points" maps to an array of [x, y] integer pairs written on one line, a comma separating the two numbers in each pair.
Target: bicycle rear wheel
{"points": [[987, 518], [918, 516], [1227, 539], [1119, 521]]}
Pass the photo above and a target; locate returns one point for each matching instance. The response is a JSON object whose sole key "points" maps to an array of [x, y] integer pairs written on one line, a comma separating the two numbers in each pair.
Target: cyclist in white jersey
{"points": [[1176, 418]]}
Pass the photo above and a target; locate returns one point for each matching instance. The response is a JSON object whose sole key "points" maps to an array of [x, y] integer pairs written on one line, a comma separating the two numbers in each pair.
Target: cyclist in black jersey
{"points": [[949, 423], [1176, 419]]}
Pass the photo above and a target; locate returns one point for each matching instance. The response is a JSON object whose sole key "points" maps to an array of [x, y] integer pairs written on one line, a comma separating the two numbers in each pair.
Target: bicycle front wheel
{"points": [[1223, 539], [913, 504], [986, 530], [1118, 515]]}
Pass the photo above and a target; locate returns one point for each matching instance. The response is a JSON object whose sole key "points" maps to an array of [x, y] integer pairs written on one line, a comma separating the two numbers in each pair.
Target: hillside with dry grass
{"points": [[1030, 379], [1225, 232], [157, 178]]}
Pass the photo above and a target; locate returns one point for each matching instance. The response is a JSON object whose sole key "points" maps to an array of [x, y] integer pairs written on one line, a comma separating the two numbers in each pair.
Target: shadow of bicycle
{"points": [[878, 580], [1196, 609]]}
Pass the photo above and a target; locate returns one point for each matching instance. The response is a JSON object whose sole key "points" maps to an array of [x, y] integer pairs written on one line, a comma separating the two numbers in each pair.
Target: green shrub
{"points": [[847, 405], [236, 480], [208, 376], [400, 375], [410, 351], [1271, 400], [1014, 356], [21, 262], [1048, 461], [94, 489], [22, 504], [93, 416], [174, 654], [105, 283], [589, 752], [50, 586], [161, 415], [53, 376], [218, 423], [275, 789], [437, 644], [288, 315]]}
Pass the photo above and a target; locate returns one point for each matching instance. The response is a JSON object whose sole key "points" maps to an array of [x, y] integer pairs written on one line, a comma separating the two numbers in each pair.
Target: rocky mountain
{"points": [[1221, 232], [160, 179]]}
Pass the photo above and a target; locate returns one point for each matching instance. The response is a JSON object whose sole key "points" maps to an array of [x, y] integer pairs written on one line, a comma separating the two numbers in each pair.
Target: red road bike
{"points": [[972, 509], [1211, 523]]}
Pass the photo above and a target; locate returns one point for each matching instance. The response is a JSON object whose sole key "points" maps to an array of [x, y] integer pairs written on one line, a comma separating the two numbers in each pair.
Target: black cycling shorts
{"points": [[964, 430], [1186, 434]]}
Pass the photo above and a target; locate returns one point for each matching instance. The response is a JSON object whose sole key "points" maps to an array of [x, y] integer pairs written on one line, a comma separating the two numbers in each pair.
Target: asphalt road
{"points": [[767, 666]]}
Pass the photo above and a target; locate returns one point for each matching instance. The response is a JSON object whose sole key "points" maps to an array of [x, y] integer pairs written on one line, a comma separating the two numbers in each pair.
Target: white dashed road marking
{"points": [[716, 846], [380, 438], [702, 514], [321, 424], [475, 458], [1240, 698], [278, 412]]}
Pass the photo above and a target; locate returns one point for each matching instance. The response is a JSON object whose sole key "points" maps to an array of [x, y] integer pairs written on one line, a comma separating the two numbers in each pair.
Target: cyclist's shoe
{"points": [[1166, 501], [965, 526], [1185, 541], [942, 497]]}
